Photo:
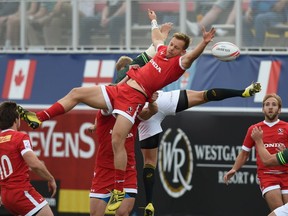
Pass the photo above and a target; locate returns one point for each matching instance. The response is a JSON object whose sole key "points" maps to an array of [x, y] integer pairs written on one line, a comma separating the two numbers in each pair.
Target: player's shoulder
{"points": [[259, 124], [284, 123], [13, 133]]}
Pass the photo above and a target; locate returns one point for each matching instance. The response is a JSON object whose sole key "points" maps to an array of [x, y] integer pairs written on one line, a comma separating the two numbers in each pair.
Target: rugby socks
{"points": [[148, 180], [218, 94], [55, 110], [119, 179]]}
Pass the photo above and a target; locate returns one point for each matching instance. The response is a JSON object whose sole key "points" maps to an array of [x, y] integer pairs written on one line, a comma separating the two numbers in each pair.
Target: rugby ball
{"points": [[225, 51]]}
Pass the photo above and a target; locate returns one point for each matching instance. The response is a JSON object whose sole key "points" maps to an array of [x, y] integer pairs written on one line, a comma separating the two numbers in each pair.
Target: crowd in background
{"points": [[102, 23]]}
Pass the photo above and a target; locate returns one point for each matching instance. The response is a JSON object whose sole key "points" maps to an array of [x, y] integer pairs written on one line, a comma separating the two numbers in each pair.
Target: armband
{"points": [[282, 157], [154, 24]]}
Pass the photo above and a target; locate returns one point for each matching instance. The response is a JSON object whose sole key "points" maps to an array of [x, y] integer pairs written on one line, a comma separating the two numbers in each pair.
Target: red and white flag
{"points": [[98, 72], [19, 79], [269, 73]]}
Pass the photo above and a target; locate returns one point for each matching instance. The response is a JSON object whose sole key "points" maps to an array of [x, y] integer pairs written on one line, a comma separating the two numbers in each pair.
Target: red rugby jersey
{"points": [[158, 72], [104, 155], [272, 138], [14, 172]]}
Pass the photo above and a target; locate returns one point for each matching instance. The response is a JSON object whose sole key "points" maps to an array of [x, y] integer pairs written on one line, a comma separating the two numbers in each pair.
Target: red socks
{"points": [[55, 110], [119, 179]]}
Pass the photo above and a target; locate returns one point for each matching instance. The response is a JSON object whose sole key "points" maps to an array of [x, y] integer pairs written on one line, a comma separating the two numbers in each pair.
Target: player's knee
{"points": [[75, 93]]}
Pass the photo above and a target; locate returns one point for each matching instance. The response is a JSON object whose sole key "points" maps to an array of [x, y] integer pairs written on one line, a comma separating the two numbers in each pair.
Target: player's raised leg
{"points": [[91, 96]]}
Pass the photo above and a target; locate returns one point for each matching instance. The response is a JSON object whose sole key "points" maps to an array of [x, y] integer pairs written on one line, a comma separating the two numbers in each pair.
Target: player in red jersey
{"points": [[169, 103], [128, 97], [17, 194], [103, 180], [274, 179], [280, 158]]}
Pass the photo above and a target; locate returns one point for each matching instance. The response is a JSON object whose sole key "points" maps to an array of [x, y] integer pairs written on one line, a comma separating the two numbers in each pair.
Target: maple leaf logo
{"points": [[19, 78]]}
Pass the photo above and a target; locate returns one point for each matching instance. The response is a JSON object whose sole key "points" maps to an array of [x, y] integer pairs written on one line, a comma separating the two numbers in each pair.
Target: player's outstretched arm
{"points": [[266, 158], [192, 55], [156, 35]]}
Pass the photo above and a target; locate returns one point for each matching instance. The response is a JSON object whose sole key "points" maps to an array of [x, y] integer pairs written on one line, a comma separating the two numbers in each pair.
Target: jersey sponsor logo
{"points": [[269, 74], [98, 72], [155, 65], [6, 138], [274, 145], [175, 163], [19, 79]]}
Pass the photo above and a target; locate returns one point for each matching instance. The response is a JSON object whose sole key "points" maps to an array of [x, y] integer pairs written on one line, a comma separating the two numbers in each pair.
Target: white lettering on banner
{"points": [[175, 162], [172, 167], [220, 152], [239, 178], [62, 144]]}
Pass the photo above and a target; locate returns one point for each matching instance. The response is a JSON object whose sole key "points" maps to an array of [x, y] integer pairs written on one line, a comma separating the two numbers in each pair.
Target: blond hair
{"points": [[273, 95], [122, 62], [183, 37]]}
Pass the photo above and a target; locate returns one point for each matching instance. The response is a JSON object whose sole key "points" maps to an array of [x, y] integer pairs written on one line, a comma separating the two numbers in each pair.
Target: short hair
{"points": [[122, 62], [8, 114], [273, 95], [183, 37]]}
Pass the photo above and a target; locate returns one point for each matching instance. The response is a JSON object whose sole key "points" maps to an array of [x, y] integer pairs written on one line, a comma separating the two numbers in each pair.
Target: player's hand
{"points": [[257, 134], [152, 15], [52, 187], [228, 176], [165, 29], [135, 66], [153, 107], [154, 97], [281, 147], [92, 128], [208, 36]]}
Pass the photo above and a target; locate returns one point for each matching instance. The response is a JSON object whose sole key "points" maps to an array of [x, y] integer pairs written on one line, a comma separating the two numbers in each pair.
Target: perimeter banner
{"points": [[44, 78]]}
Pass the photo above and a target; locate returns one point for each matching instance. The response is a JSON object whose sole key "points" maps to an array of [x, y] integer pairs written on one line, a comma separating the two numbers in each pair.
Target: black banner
{"points": [[196, 149]]}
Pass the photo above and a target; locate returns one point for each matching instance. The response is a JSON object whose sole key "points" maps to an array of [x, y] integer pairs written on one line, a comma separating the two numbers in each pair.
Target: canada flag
{"points": [[269, 74], [97, 72], [19, 79]]}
